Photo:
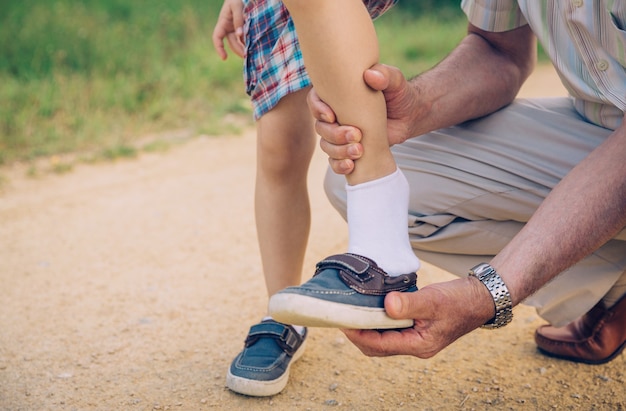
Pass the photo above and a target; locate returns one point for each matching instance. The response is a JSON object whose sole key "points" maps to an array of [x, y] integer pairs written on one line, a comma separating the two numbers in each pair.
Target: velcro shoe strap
{"points": [[364, 276], [358, 265], [286, 337]]}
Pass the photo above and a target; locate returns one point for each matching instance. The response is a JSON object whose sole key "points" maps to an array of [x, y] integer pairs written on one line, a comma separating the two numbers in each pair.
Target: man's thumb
{"points": [[401, 305], [376, 78]]}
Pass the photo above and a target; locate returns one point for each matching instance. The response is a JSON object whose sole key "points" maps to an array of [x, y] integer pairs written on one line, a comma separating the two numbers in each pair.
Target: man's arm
{"points": [[483, 74], [585, 210]]}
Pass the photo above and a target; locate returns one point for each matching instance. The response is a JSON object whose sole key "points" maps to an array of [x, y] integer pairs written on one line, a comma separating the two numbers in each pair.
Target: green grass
{"points": [[417, 43], [96, 76]]}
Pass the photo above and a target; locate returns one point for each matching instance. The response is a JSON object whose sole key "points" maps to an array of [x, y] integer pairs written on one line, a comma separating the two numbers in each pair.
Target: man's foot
{"points": [[595, 338], [262, 368], [346, 291]]}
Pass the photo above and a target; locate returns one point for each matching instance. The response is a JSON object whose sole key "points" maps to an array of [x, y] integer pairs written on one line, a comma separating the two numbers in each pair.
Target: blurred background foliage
{"points": [[85, 75]]}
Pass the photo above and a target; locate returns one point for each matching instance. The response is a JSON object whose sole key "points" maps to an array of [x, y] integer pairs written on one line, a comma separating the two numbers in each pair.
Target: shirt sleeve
{"points": [[494, 15]]}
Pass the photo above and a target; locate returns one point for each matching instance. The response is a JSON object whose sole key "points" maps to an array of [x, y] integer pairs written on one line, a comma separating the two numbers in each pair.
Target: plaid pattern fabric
{"points": [[273, 64]]}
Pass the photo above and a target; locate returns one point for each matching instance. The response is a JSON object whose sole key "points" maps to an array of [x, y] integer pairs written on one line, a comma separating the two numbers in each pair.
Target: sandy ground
{"points": [[131, 286]]}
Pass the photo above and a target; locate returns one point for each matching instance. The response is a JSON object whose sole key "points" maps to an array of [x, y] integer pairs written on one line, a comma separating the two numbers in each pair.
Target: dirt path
{"points": [[131, 286]]}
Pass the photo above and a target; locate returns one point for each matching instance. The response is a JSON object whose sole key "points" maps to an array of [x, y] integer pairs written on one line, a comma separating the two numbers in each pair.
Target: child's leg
{"points": [[285, 145], [338, 42], [277, 84]]}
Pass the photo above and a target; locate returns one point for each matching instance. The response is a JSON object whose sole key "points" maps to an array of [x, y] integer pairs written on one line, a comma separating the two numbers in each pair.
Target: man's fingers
{"points": [[342, 167], [389, 342], [373, 343], [377, 77], [320, 110], [340, 143], [339, 157], [441, 312], [383, 77], [394, 77], [407, 305], [335, 134], [336, 143]]}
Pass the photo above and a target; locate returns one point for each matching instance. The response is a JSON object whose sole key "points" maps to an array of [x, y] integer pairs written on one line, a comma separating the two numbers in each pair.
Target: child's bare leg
{"points": [[338, 42], [285, 145]]}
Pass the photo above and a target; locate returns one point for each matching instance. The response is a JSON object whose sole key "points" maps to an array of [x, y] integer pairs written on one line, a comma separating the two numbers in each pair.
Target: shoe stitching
{"points": [[266, 370], [327, 292], [287, 331], [270, 368]]}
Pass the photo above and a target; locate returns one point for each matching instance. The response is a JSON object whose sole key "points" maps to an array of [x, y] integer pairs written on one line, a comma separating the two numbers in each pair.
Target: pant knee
{"points": [[335, 188]]}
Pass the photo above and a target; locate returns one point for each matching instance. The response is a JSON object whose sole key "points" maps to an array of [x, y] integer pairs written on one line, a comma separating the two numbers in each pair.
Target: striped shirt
{"points": [[585, 39]]}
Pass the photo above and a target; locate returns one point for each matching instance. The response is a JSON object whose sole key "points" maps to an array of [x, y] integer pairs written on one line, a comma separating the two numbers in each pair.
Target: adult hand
{"points": [[442, 312], [342, 142], [229, 26]]}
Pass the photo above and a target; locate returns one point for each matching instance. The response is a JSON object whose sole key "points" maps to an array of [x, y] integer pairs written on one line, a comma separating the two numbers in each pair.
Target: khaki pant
{"points": [[474, 186]]}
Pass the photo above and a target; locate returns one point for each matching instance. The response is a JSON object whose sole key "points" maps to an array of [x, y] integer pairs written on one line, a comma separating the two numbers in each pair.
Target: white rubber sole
{"points": [[313, 312], [255, 388]]}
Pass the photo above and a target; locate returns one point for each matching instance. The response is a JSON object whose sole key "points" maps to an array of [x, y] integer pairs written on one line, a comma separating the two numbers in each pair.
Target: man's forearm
{"points": [[585, 210], [476, 79]]}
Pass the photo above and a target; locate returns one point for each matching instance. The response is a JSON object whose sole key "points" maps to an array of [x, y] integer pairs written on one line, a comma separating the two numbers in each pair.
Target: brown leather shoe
{"points": [[595, 338]]}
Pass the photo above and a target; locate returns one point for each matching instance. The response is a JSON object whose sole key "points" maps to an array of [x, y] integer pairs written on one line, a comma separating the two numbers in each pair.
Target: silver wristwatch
{"points": [[499, 292]]}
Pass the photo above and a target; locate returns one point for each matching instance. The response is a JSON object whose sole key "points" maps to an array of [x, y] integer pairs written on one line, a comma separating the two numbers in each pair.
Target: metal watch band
{"points": [[499, 292]]}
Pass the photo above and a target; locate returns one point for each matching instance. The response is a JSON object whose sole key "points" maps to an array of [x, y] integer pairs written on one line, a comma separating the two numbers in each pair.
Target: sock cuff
{"points": [[373, 183]]}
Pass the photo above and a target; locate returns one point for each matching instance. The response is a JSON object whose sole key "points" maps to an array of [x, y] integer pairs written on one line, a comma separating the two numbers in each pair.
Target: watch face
{"points": [[499, 292], [480, 269]]}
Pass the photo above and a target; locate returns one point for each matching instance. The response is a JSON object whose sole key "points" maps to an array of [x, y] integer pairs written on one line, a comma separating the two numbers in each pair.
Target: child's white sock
{"points": [[378, 223]]}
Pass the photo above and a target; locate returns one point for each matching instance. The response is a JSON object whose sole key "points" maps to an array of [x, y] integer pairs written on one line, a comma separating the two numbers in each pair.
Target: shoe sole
{"points": [[313, 312], [583, 360], [257, 388]]}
